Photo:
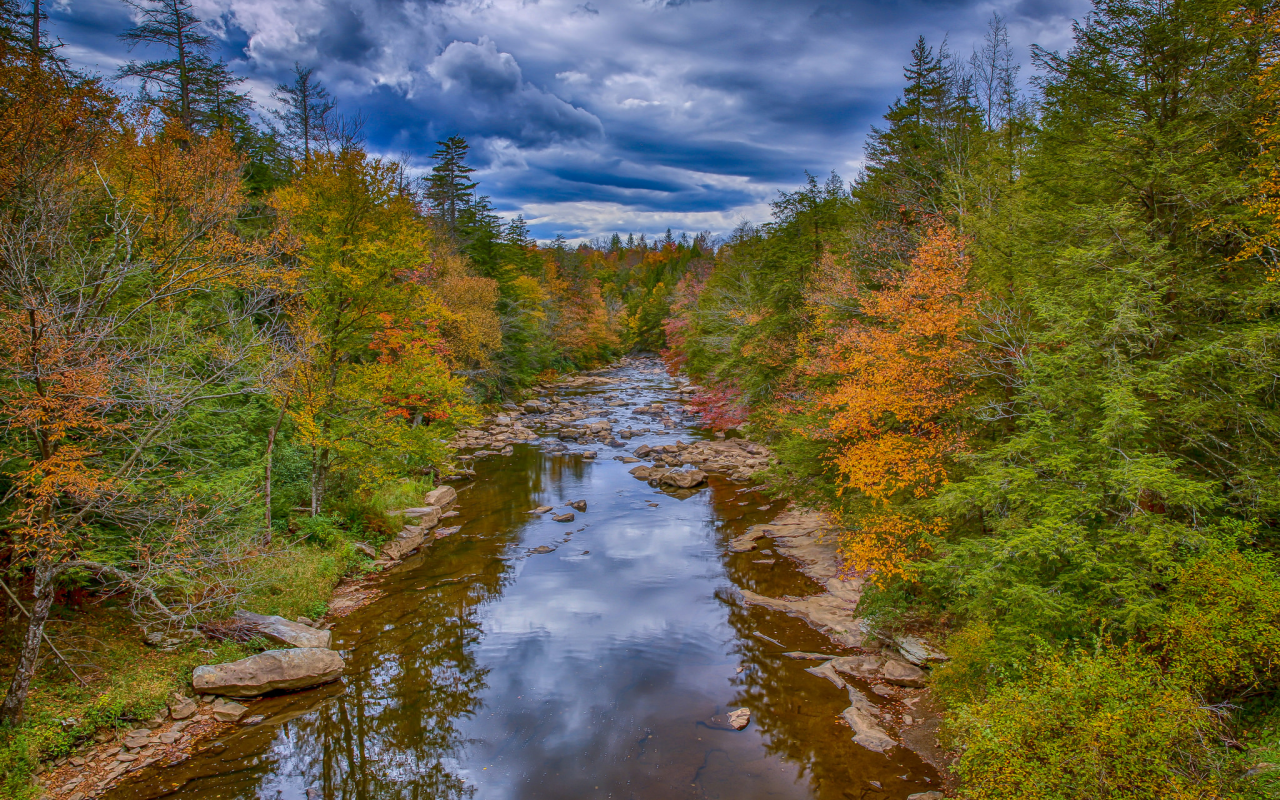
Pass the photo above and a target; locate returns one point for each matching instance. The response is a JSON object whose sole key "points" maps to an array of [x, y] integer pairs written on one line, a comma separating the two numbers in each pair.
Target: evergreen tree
{"points": [[191, 86], [450, 186], [306, 113]]}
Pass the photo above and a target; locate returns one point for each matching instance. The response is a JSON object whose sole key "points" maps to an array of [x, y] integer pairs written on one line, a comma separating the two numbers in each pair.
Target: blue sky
{"points": [[606, 115]]}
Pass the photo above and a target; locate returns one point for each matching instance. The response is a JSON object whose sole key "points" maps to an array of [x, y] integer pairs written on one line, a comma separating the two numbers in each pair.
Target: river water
{"points": [[592, 671]]}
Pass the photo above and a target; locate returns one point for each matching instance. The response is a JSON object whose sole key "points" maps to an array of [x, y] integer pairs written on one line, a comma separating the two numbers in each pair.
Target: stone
{"points": [[589, 454], [683, 479], [542, 550], [444, 497], [228, 711], [900, 673], [274, 670], [540, 510], [866, 730], [567, 517], [126, 757], [410, 539], [642, 451], [254, 720], [367, 549], [77, 761], [425, 516], [279, 629], [443, 532], [181, 707], [927, 796], [644, 473], [918, 651], [578, 505], [739, 719], [169, 737], [796, 654]]}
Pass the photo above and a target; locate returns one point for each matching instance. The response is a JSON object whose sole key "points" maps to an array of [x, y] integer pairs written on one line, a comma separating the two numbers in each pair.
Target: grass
{"points": [[1262, 756], [129, 681]]}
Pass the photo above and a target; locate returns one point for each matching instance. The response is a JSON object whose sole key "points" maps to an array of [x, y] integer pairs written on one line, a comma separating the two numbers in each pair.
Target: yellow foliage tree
{"points": [[895, 372]]}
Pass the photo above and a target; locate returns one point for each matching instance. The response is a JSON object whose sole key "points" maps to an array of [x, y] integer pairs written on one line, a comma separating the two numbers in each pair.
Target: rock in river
{"points": [[272, 671], [567, 517], [683, 478], [739, 719], [279, 629], [578, 505], [444, 497]]}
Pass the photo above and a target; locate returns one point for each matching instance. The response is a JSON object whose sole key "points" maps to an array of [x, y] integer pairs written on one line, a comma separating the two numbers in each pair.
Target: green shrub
{"points": [[1110, 725], [1222, 632]]}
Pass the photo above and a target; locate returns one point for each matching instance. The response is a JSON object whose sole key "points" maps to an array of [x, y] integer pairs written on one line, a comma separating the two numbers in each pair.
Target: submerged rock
{"points": [[272, 671], [279, 629]]}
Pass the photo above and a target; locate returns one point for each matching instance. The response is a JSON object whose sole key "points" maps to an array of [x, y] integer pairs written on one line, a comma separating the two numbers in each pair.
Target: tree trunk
{"points": [[16, 698]]}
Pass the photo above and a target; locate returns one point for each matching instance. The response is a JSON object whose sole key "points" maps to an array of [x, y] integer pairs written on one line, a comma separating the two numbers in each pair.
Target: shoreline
{"points": [[883, 714]]}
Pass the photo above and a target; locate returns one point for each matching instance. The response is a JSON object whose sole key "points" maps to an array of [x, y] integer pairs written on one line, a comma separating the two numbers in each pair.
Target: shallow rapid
{"points": [[485, 670]]}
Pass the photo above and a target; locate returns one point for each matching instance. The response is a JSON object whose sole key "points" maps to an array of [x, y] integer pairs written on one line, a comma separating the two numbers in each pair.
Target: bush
{"points": [[1110, 725], [1222, 632]]}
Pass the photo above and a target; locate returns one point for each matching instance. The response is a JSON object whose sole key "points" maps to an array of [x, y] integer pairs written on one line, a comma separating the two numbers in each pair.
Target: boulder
{"points": [[683, 478], [900, 673], [181, 707], [426, 516], [279, 629], [227, 711], [410, 539], [918, 651], [444, 497], [272, 671]]}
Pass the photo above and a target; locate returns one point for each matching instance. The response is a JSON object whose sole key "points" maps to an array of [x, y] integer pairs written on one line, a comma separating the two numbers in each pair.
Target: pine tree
{"points": [[449, 186], [306, 113], [194, 88]]}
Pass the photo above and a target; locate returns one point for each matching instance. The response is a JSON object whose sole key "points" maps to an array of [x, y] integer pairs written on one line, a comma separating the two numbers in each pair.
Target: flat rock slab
{"points": [[409, 539], [272, 671], [279, 629], [443, 498], [831, 614], [866, 729], [425, 516]]}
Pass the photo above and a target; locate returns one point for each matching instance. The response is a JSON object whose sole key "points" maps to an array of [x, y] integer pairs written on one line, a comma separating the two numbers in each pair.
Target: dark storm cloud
{"points": [[605, 114]]}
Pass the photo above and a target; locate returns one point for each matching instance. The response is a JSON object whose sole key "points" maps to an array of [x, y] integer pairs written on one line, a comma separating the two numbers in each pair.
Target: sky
{"points": [[600, 116]]}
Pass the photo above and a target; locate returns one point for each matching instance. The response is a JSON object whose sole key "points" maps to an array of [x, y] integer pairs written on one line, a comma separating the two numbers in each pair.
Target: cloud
{"points": [[633, 114], [490, 86]]}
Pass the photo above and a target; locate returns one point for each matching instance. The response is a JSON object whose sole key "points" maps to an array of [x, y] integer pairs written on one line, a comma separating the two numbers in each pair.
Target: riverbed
{"points": [[522, 657]]}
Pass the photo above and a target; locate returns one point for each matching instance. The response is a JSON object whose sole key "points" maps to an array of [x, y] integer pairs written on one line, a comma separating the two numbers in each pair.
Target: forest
{"points": [[1028, 356]]}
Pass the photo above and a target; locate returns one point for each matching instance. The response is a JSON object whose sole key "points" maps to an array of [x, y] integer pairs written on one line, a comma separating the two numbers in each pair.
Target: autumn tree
{"points": [[375, 396], [896, 374]]}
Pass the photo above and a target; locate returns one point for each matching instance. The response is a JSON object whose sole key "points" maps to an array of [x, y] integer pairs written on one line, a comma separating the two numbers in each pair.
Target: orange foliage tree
{"points": [[892, 375]]}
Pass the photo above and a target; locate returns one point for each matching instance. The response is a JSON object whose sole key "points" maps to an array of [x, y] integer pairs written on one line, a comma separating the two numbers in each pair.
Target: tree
{"points": [[306, 113], [449, 186], [898, 368], [375, 396], [127, 301], [193, 87]]}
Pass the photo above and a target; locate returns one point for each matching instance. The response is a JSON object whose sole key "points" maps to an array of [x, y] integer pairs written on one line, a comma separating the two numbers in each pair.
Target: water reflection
{"points": [[489, 671]]}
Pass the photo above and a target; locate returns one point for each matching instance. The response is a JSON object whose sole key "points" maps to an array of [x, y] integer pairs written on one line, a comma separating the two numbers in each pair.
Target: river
{"points": [[485, 670]]}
